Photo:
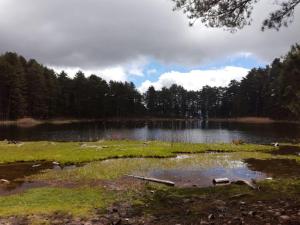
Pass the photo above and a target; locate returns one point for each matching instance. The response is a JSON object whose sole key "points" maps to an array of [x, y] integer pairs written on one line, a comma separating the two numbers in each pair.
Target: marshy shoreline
{"points": [[97, 192]]}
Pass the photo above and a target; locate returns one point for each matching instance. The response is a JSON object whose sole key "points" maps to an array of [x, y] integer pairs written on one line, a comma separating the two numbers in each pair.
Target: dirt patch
{"points": [[287, 150], [213, 211]]}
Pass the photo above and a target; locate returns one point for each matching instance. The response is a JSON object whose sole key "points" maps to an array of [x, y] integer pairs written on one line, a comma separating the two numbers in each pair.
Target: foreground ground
{"points": [[96, 192]]}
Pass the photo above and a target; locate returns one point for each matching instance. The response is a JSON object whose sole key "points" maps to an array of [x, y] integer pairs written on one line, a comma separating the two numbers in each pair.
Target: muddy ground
{"points": [[161, 207]]}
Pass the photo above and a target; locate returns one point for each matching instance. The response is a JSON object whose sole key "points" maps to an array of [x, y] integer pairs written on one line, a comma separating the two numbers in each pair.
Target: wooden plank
{"points": [[166, 182]]}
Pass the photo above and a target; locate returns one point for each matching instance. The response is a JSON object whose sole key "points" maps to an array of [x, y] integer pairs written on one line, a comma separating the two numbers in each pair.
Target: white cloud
{"points": [[196, 79], [113, 73], [137, 67]]}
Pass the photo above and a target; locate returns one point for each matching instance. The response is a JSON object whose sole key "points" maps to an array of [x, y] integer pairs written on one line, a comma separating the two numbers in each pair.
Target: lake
{"points": [[176, 131]]}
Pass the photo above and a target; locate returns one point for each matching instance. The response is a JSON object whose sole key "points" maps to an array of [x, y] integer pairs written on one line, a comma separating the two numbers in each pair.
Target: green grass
{"points": [[74, 152], [48, 200]]}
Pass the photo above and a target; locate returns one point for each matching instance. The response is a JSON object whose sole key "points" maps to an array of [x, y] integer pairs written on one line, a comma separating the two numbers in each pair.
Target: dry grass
{"points": [[265, 120]]}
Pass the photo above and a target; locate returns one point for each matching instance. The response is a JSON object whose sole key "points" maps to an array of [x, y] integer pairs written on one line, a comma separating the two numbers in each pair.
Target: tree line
{"points": [[273, 91], [29, 89]]}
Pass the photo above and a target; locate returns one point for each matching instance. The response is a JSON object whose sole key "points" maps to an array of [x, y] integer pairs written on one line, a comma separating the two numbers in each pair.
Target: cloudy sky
{"points": [[142, 41]]}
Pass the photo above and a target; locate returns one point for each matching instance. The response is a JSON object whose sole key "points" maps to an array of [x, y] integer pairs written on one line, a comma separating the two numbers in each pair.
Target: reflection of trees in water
{"points": [[164, 130]]}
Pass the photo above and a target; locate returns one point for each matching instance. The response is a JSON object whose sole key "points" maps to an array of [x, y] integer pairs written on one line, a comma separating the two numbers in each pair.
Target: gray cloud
{"points": [[94, 34]]}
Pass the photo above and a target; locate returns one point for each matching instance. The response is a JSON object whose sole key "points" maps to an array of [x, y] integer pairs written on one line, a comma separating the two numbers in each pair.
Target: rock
{"points": [[284, 217], [221, 208], [244, 213], [219, 203], [252, 213], [36, 165], [186, 200], [277, 214], [4, 181], [55, 163], [276, 144], [118, 222], [114, 209], [94, 220], [56, 222], [237, 218], [211, 216]]}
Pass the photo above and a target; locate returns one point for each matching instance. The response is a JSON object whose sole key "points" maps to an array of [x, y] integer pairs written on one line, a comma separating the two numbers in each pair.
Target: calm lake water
{"points": [[178, 131]]}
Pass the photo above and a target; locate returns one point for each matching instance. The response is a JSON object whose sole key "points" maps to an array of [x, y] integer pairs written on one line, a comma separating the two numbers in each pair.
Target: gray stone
{"points": [[284, 217]]}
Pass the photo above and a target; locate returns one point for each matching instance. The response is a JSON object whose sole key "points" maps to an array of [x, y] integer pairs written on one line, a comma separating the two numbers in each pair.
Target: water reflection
{"points": [[179, 131], [203, 177]]}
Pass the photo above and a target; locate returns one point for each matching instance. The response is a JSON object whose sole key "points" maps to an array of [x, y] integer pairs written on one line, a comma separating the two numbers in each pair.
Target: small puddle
{"points": [[199, 170], [201, 174], [287, 150], [16, 172], [204, 177]]}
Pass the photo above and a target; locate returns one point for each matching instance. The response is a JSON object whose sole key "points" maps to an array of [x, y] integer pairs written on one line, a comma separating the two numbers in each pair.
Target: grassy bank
{"points": [[74, 152]]}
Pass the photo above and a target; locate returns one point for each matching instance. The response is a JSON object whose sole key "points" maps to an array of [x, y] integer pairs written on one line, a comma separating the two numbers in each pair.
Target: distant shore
{"points": [[257, 120], [245, 120], [30, 122]]}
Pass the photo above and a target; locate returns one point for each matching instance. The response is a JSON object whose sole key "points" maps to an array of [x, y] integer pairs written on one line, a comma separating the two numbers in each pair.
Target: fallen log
{"points": [[245, 182], [166, 182], [226, 181]]}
